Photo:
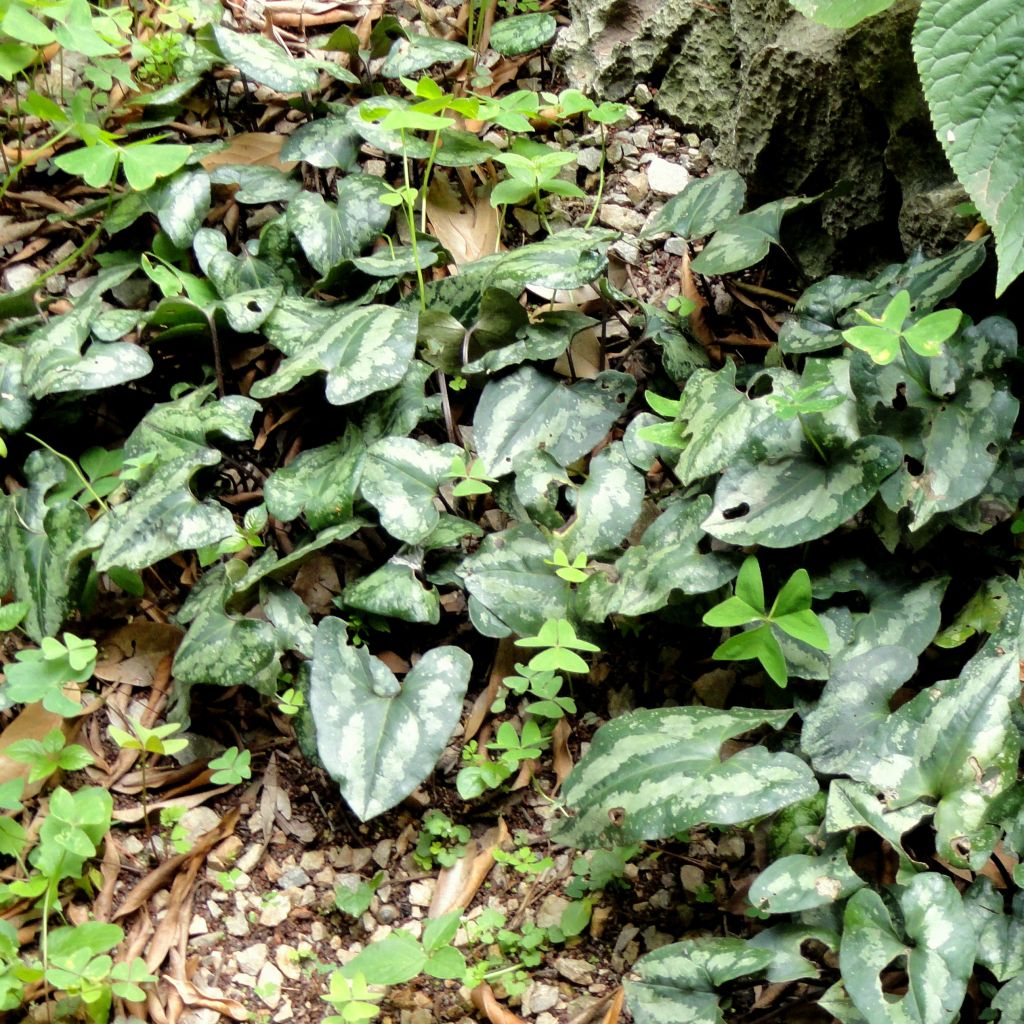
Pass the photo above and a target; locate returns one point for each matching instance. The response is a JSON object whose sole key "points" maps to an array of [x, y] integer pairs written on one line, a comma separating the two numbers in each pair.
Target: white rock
{"points": [[198, 820], [198, 925], [237, 925], [666, 177], [268, 985], [621, 218], [275, 910], [19, 276], [252, 959], [421, 893], [551, 910], [539, 997], [287, 959]]}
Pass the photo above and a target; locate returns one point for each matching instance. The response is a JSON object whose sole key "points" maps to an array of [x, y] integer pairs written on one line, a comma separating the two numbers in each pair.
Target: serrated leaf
{"points": [[379, 738], [364, 351], [678, 982], [939, 946], [653, 773], [700, 207], [522, 33], [840, 13], [966, 56], [794, 500], [528, 410]]}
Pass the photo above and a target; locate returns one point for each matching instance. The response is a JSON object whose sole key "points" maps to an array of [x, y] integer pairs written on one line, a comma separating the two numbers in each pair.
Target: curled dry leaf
{"points": [[133, 653], [504, 665], [467, 228], [208, 998], [560, 756], [484, 1000], [32, 723], [254, 149], [457, 885]]}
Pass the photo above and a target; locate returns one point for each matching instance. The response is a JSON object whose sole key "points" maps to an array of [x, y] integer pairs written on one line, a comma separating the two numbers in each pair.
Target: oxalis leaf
{"points": [[678, 982], [364, 351], [379, 738], [938, 944], [968, 57], [528, 410], [656, 772]]}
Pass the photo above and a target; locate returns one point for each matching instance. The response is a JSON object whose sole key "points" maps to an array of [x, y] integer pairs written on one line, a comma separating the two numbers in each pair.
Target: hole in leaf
{"points": [[617, 816], [894, 976], [992, 448], [253, 306], [737, 511], [899, 402], [761, 387], [914, 466]]}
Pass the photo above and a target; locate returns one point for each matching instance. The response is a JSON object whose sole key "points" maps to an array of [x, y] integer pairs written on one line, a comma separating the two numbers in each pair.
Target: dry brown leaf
{"points": [[615, 1010], [467, 228], [484, 1000], [560, 756], [586, 353], [198, 995], [133, 653], [132, 815], [457, 885], [32, 723], [253, 149], [161, 874], [504, 665], [110, 869], [688, 287]]}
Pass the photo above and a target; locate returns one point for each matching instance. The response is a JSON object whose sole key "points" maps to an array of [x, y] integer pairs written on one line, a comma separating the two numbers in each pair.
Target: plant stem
{"points": [[410, 216], [600, 181], [74, 466], [810, 437]]}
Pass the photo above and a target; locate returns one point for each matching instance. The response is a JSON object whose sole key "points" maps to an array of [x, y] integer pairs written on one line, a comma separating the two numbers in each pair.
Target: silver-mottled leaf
{"points": [[700, 207], [379, 738], [678, 982], [528, 410], [801, 882], [364, 351], [522, 33], [400, 479], [798, 499], [939, 945], [652, 773], [394, 592]]}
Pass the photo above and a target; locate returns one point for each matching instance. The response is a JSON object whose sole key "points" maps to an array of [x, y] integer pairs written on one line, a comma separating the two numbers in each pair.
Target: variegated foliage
{"points": [[874, 478]]}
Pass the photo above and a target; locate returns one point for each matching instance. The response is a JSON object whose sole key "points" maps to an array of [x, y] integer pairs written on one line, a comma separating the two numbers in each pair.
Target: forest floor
{"points": [[238, 895]]}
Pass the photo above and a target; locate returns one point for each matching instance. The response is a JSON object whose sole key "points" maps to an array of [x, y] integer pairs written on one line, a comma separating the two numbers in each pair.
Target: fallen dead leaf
{"points": [[161, 874], [587, 357], [132, 815], [485, 1001], [198, 995], [133, 653], [32, 723], [561, 758], [467, 228], [504, 665], [457, 885], [254, 149], [688, 287]]}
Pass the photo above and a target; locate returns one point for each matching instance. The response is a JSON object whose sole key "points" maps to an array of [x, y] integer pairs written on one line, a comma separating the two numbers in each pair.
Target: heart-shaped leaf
{"points": [[378, 738]]}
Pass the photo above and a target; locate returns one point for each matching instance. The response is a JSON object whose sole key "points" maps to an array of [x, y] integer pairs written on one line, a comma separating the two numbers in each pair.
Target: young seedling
{"points": [[50, 754], [571, 572], [790, 612], [232, 767], [41, 674], [440, 841], [559, 639], [472, 478], [355, 902], [352, 998], [533, 172], [884, 335]]}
